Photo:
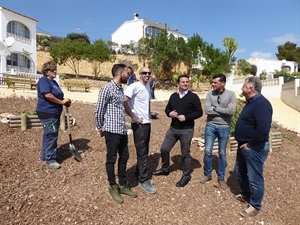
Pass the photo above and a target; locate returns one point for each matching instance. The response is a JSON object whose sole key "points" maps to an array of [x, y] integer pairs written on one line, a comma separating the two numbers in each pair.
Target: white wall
{"points": [[128, 31], [5, 17], [273, 91], [270, 65], [133, 30]]}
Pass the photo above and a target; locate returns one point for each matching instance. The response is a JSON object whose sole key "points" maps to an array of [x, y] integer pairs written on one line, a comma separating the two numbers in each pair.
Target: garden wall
{"points": [[85, 68], [290, 94]]}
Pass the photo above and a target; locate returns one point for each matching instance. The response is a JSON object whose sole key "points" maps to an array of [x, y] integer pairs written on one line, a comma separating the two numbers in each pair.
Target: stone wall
{"points": [[85, 68]]}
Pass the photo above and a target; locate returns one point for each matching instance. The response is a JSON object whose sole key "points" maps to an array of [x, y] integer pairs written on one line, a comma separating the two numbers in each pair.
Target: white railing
{"points": [[20, 73], [19, 68], [268, 82], [19, 38], [239, 80], [36, 76]]}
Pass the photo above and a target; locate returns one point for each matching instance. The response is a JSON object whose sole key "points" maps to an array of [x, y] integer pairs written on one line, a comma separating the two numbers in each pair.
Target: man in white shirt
{"points": [[137, 106]]}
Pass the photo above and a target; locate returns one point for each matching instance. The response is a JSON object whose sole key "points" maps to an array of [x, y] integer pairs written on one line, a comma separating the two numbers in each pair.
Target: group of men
{"points": [[184, 107]]}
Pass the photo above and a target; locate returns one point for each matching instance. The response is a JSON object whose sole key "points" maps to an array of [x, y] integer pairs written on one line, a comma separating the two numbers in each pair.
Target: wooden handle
{"points": [[68, 119]]}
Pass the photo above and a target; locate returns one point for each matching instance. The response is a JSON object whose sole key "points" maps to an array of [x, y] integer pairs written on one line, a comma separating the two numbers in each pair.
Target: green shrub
{"points": [[240, 103], [63, 76], [263, 75], [175, 78]]}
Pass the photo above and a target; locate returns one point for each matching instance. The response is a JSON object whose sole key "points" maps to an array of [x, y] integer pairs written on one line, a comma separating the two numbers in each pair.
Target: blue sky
{"points": [[258, 26]]}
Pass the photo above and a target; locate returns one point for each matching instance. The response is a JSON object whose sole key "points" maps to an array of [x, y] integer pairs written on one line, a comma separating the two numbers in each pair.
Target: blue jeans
{"points": [[172, 136], [249, 170], [222, 133], [116, 144], [141, 136], [49, 145]]}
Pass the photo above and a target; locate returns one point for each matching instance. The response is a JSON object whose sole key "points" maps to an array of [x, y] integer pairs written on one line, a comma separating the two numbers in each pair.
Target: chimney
{"points": [[135, 16]]}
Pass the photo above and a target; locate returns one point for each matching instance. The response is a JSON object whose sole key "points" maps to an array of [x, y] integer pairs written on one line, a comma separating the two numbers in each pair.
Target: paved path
{"points": [[283, 114]]}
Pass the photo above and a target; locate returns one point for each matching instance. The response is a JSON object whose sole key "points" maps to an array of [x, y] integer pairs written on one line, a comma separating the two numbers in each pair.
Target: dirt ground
{"points": [[77, 193]]}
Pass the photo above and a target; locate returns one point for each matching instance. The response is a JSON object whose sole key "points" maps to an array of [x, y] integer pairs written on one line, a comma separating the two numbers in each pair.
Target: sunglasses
{"points": [[146, 73], [218, 99]]}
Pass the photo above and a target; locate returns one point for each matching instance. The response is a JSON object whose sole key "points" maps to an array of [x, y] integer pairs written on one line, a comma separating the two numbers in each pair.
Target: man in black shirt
{"points": [[183, 107]]}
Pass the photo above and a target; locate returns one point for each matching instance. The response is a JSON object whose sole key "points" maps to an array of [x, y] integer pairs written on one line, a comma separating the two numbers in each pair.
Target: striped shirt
{"points": [[110, 112]]}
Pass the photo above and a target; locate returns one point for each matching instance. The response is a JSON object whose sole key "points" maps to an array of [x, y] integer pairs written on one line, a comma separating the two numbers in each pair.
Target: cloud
{"points": [[263, 55], [284, 38]]}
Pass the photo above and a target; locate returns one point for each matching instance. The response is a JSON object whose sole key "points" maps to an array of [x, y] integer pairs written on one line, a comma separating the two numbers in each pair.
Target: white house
{"points": [[133, 30], [270, 65], [17, 42]]}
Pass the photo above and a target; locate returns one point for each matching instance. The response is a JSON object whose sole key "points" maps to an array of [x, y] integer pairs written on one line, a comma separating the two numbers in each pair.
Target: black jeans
{"points": [[116, 144], [172, 136], [141, 137]]}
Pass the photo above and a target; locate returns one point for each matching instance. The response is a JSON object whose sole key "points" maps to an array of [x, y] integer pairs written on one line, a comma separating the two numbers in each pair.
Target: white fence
{"points": [[271, 87]]}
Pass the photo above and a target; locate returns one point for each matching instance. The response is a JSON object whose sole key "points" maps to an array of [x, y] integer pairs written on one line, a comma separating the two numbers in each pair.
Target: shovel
{"points": [[72, 148]]}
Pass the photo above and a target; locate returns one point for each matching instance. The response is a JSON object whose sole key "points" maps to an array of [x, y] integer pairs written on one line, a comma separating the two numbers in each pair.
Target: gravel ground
{"points": [[77, 193]]}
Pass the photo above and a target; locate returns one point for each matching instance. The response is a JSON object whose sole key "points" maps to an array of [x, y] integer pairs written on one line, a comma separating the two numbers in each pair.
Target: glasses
{"points": [[146, 73]]}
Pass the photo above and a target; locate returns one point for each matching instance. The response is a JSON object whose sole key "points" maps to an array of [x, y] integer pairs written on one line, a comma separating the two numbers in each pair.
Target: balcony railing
{"points": [[19, 69], [19, 38]]}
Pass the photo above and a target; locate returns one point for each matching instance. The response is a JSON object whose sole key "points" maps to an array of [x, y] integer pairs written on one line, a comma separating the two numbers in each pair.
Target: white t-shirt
{"points": [[139, 102]]}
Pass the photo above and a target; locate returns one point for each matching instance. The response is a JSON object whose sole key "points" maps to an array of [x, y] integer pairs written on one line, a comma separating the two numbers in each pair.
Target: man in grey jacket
{"points": [[220, 106]]}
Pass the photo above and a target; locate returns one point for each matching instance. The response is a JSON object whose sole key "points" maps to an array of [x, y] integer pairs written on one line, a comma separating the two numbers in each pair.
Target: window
{"points": [[18, 29], [18, 60], [152, 31]]}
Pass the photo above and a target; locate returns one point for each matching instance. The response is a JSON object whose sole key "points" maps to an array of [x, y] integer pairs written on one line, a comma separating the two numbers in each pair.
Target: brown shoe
{"points": [[204, 179], [249, 212], [223, 184], [240, 198]]}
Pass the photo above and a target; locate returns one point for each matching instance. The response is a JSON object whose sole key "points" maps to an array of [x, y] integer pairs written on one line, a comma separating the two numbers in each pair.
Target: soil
{"points": [[77, 193]]}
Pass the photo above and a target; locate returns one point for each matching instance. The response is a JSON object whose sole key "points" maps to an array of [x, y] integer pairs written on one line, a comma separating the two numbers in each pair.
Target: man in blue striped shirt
{"points": [[110, 123]]}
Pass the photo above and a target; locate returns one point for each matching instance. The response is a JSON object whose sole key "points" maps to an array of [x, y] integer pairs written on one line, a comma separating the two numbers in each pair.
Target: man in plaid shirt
{"points": [[110, 123]]}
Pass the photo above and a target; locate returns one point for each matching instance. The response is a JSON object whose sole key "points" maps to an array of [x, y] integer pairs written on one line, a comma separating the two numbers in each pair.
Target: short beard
{"points": [[123, 80]]}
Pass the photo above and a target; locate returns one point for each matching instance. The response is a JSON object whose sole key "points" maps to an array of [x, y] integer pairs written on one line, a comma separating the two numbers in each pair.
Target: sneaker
{"points": [[147, 187], [205, 179], [249, 212], [126, 191], [240, 198], [114, 193], [223, 184], [52, 164]]}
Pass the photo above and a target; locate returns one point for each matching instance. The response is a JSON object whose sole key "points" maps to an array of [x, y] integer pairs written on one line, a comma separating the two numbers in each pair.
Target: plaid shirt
{"points": [[110, 111]]}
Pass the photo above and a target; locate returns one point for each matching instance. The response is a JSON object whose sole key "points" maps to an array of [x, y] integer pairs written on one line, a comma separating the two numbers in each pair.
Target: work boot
{"points": [[126, 191], [204, 179], [223, 184], [114, 192]]}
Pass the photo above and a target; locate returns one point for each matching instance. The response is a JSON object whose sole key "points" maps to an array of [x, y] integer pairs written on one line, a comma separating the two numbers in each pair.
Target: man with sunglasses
{"points": [[220, 105], [137, 105]]}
